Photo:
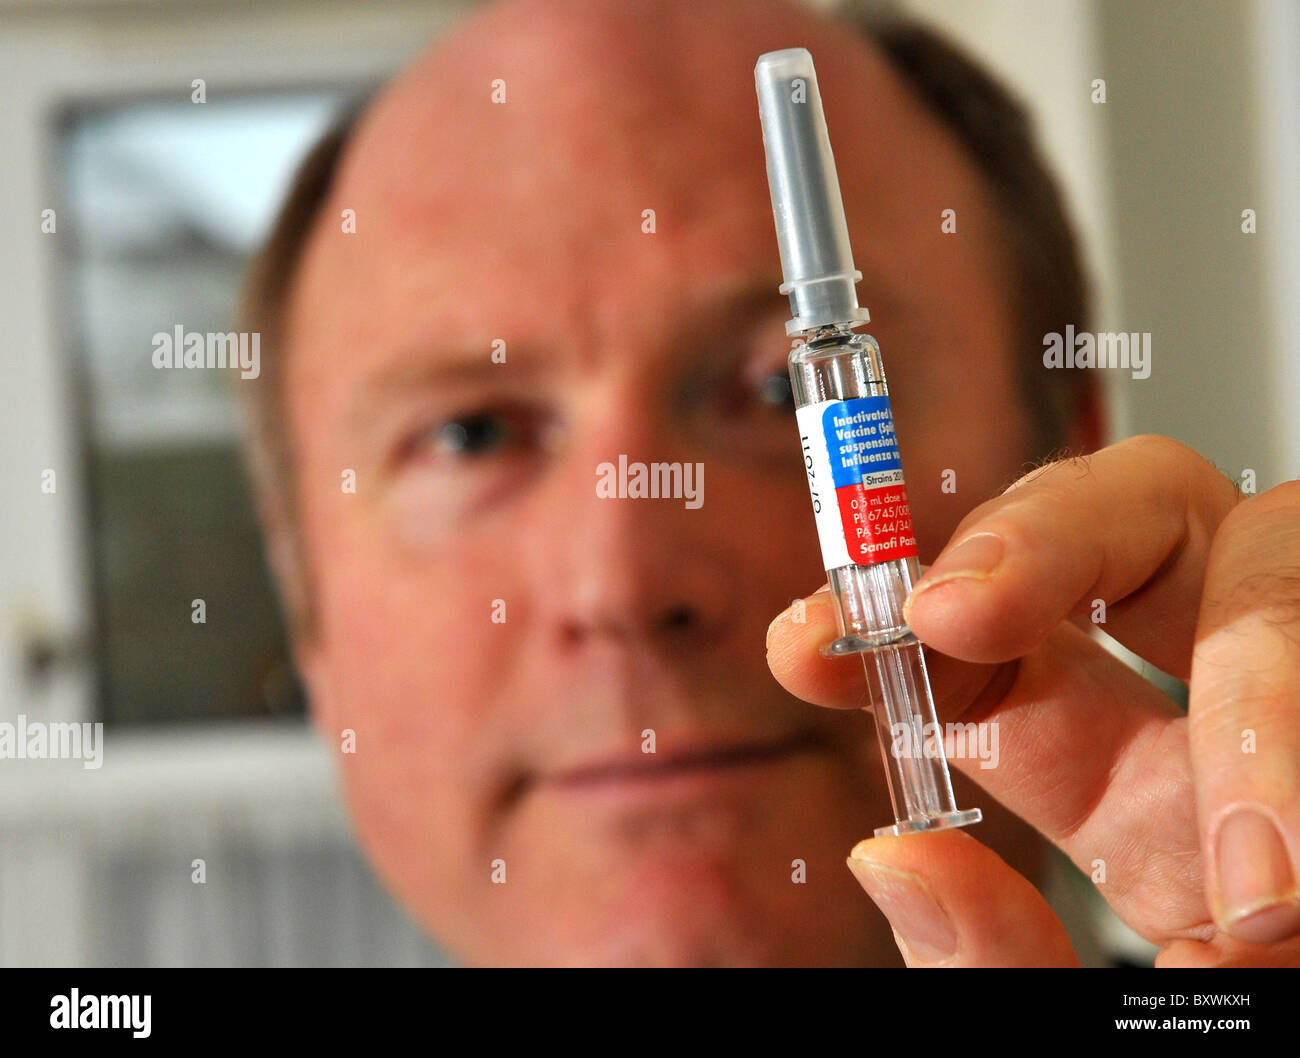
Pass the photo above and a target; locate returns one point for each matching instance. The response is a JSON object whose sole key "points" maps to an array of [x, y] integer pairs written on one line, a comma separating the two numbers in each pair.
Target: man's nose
{"points": [[628, 565]]}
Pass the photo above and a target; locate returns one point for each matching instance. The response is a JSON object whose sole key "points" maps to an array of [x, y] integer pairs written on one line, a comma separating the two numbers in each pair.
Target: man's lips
{"points": [[679, 766]]}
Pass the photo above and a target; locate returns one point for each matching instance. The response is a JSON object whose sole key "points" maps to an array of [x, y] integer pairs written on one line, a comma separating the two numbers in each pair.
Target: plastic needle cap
{"points": [[816, 259]]}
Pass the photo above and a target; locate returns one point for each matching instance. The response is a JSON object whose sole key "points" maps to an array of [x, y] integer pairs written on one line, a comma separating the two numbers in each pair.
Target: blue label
{"points": [[860, 439]]}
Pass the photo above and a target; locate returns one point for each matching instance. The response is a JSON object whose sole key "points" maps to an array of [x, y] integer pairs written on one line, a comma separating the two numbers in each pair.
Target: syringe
{"points": [[850, 452]]}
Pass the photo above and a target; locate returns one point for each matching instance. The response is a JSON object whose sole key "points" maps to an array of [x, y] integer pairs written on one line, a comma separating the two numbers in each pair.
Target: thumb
{"points": [[954, 902]]}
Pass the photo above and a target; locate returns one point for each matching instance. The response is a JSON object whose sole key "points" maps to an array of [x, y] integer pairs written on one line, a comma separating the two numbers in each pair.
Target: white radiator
{"points": [[96, 865]]}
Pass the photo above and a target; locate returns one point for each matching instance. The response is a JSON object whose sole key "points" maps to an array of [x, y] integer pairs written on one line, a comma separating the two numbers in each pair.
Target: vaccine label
{"points": [[856, 480]]}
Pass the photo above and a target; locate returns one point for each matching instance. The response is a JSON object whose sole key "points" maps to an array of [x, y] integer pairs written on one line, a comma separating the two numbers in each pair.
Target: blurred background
{"points": [[158, 203]]}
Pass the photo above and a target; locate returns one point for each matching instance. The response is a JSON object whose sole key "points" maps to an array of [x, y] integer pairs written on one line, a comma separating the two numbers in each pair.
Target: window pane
{"points": [[165, 201]]}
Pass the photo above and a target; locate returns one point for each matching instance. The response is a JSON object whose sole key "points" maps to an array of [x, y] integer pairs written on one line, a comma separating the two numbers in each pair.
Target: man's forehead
{"points": [[474, 208], [533, 98]]}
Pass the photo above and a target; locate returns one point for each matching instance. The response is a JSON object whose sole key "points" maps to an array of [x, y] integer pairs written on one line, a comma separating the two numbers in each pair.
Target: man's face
{"points": [[504, 642]]}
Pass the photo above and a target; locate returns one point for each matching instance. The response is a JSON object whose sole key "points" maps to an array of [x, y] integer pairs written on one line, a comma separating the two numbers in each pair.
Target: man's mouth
{"points": [[681, 771]]}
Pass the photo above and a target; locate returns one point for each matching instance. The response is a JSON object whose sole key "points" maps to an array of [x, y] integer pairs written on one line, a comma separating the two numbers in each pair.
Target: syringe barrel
{"points": [[869, 552]]}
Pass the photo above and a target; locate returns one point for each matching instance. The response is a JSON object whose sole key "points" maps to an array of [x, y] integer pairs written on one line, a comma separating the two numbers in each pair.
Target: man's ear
{"points": [[309, 660], [285, 557]]}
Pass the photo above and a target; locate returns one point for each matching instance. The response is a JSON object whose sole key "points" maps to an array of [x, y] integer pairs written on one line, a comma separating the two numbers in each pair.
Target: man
{"points": [[549, 245]]}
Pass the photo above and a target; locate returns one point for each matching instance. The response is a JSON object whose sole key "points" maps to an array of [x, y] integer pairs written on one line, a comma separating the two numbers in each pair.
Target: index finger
{"points": [[1244, 717], [1129, 527]]}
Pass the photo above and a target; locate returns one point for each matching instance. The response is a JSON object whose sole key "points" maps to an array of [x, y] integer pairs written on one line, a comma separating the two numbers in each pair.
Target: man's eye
{"points": [[471, 434], [489, 432], [774, 391], [742, 396]]}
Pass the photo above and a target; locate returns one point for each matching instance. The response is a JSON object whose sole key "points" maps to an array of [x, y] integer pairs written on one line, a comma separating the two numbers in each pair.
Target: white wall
{"points": [[1047, 53], [1202, 120]]}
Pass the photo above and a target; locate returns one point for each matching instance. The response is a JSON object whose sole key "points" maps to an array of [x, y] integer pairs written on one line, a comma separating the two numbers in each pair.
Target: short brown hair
{"points": [[262, 304], [990, 124]]}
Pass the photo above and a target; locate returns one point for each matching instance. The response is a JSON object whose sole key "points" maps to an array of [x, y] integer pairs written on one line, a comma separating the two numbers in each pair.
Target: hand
{"points": [[1194, 817]]}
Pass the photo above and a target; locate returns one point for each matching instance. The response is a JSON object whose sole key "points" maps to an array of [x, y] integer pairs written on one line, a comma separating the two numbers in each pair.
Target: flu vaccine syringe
{"points": [[850, 452]]}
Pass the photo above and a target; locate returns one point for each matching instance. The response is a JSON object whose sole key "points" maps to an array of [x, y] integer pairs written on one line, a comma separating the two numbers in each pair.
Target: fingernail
{"points": [[918, 920], [1257, 890], [975, 557]]}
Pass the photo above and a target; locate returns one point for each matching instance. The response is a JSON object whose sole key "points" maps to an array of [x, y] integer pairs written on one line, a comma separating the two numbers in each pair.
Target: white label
{"points": [[817, 464], [855, 476]]}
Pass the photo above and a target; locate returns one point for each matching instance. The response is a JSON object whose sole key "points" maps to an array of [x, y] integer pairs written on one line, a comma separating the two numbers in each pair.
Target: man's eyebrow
{"points": [[754, 293], [758, 294], [417, 372]]}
